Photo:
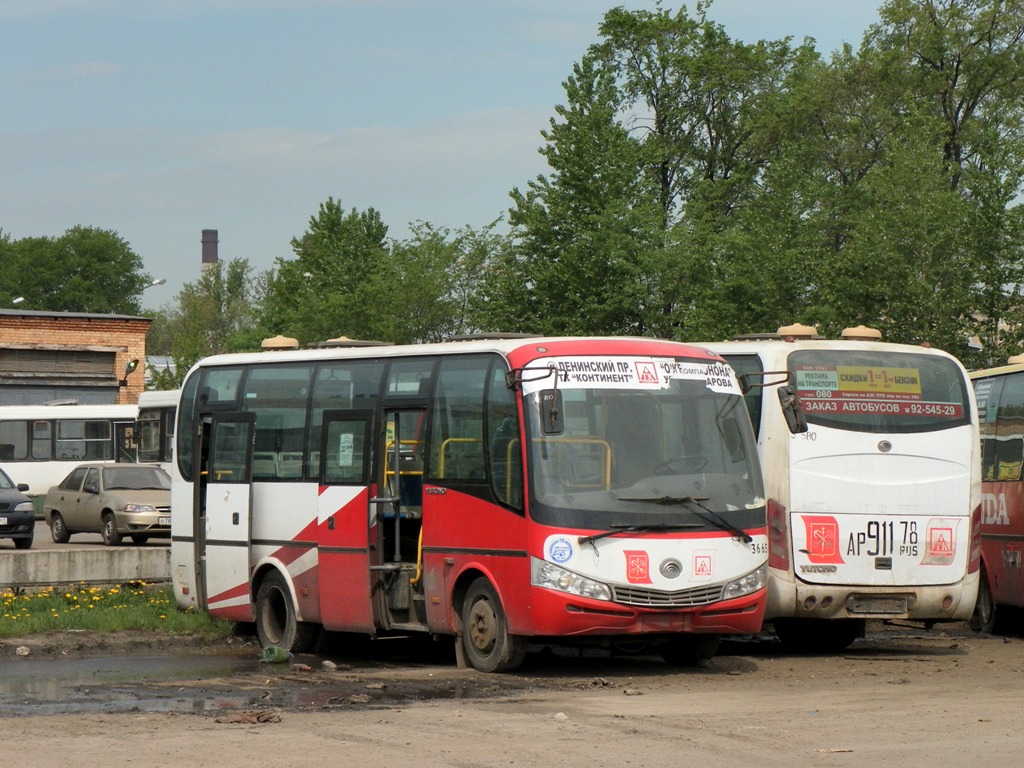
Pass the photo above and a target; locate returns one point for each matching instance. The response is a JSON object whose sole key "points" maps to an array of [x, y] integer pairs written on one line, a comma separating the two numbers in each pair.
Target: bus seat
{"points": [[264, 464], [289, 464]]}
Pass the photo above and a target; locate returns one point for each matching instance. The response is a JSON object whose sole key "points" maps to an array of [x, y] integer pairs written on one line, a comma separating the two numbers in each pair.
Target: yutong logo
{"points": [[818, 569]]}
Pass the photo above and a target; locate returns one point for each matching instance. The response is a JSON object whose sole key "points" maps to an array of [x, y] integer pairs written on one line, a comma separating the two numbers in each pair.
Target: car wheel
{"points": [[23, 543], [59, 529], [109, 531], [140, 538]]}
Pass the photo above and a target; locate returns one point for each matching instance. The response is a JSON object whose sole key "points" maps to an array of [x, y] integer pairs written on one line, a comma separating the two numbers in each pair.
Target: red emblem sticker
{"points": [[822, 539], [941, 544], [702, 566], [647, 373], [638, 566]]}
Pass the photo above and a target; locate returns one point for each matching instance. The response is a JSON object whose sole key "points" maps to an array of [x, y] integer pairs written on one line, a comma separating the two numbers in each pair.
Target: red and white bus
{"points": [[873, 510], [494, 490], [1000, 394]]}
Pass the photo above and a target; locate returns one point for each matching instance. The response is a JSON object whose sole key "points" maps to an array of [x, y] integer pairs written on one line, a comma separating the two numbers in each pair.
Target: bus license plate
{"points": [[165, 521], [876, 604]]}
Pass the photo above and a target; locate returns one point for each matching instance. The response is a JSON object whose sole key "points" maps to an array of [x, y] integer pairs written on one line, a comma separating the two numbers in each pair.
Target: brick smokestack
{"points": [[209, 247]]}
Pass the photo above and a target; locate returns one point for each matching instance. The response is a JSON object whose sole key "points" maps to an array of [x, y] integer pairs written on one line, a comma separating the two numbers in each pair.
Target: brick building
{"points": [[48, 356]]}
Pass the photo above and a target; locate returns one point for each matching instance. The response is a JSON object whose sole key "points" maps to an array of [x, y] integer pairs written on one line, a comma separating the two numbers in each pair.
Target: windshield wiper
{"points": [[626, 528], [712, 517]]}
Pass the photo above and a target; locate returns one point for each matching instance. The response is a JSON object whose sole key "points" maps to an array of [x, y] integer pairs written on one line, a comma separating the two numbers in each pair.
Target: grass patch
{"points": [[132, 606]]}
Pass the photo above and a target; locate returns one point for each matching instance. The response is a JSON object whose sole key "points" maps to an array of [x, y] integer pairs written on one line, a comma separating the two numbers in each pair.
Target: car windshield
{"points": [[5, 482], [135, 479], [639, 449]]}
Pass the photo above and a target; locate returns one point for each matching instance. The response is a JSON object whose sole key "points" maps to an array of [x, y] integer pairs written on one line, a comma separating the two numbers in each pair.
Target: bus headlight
{"points": [[747, 584], [550, 576]]}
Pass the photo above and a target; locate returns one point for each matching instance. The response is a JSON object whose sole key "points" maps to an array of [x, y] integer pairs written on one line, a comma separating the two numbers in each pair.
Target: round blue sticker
{"points": [[560, 550]]}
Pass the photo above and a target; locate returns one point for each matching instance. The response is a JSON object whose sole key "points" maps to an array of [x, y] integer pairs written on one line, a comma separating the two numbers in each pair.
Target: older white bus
{"points": [[157, 410], [873, 512], [40, 444]]}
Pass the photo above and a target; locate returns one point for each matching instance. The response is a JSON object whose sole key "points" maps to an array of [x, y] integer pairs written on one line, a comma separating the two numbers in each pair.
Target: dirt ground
{"points": [[902, 696]]}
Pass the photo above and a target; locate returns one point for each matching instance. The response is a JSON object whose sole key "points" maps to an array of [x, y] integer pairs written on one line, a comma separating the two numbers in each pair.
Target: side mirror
{"points": [[791, 410], [551, 412], [22, 487]]}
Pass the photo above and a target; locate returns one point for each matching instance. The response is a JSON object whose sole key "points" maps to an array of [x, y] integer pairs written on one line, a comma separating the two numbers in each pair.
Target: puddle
{"points": [[216, 684], [118, 684]]}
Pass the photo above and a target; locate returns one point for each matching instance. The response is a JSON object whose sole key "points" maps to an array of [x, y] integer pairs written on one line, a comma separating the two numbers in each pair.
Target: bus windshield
{"points": [[879, 390], [625, 453]]}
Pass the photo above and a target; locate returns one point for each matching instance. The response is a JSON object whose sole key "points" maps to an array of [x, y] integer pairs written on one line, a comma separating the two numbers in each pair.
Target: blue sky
{"points": [[161, 118]]}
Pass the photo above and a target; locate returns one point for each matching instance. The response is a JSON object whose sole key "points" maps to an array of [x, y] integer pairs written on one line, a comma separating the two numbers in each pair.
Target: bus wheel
{"points": [[276, 622], [58, 530], [109, 530], [818, 635], [489, 646], [984, 617], [687, 650]]}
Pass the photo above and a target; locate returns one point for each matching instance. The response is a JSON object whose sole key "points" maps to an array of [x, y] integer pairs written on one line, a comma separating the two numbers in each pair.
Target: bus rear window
{"points": [[880, 390]]}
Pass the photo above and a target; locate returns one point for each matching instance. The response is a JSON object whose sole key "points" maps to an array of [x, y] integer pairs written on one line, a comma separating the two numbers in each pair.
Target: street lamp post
{"points": [[158, 281]]}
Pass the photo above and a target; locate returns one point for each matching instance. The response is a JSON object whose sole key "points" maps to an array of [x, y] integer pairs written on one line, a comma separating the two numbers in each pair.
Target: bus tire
{"points": [[485, 637], [983, 619], [818, 635], [58, 529], [688, 650], [109, 530], [276, 618]]}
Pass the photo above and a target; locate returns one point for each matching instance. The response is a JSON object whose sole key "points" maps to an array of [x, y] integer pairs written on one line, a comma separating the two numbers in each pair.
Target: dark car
{"points": [[114, 500], [17, 514]]}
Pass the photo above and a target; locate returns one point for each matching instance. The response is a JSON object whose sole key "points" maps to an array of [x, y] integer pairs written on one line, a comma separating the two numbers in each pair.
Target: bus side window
{"points": [[753, 397], [457, 428], [505, 452], [988, 391], [1010, 429]]}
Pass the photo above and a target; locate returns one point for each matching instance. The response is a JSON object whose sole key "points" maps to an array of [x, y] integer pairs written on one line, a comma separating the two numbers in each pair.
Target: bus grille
{"points": [[654, 598]]}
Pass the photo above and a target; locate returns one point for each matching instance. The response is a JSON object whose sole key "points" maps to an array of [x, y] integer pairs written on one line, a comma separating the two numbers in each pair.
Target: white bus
{"points": [[585, 490], [40, 444], [874, 510], [156, 426]]}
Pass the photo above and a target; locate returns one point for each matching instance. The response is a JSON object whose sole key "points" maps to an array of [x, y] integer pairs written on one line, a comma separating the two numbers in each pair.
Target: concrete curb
{"points": [[89, 566]]}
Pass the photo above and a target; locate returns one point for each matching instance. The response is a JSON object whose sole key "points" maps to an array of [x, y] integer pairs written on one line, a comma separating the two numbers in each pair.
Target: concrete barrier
{"points": [[97, 566]]}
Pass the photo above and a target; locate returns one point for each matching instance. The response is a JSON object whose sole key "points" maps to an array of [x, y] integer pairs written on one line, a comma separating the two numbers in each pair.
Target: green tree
{"points": [[217, 313], [330, 288], [84, 270], [433, 278], [584, 234]]}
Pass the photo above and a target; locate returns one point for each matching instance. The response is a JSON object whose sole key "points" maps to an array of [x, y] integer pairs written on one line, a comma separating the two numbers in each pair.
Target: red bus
{"points": [[1000, 395], [494, 490]]}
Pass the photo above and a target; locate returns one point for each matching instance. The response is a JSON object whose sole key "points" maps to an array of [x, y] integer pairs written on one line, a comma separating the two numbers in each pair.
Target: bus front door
{"points": [[227, 500], [396, 518]]}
